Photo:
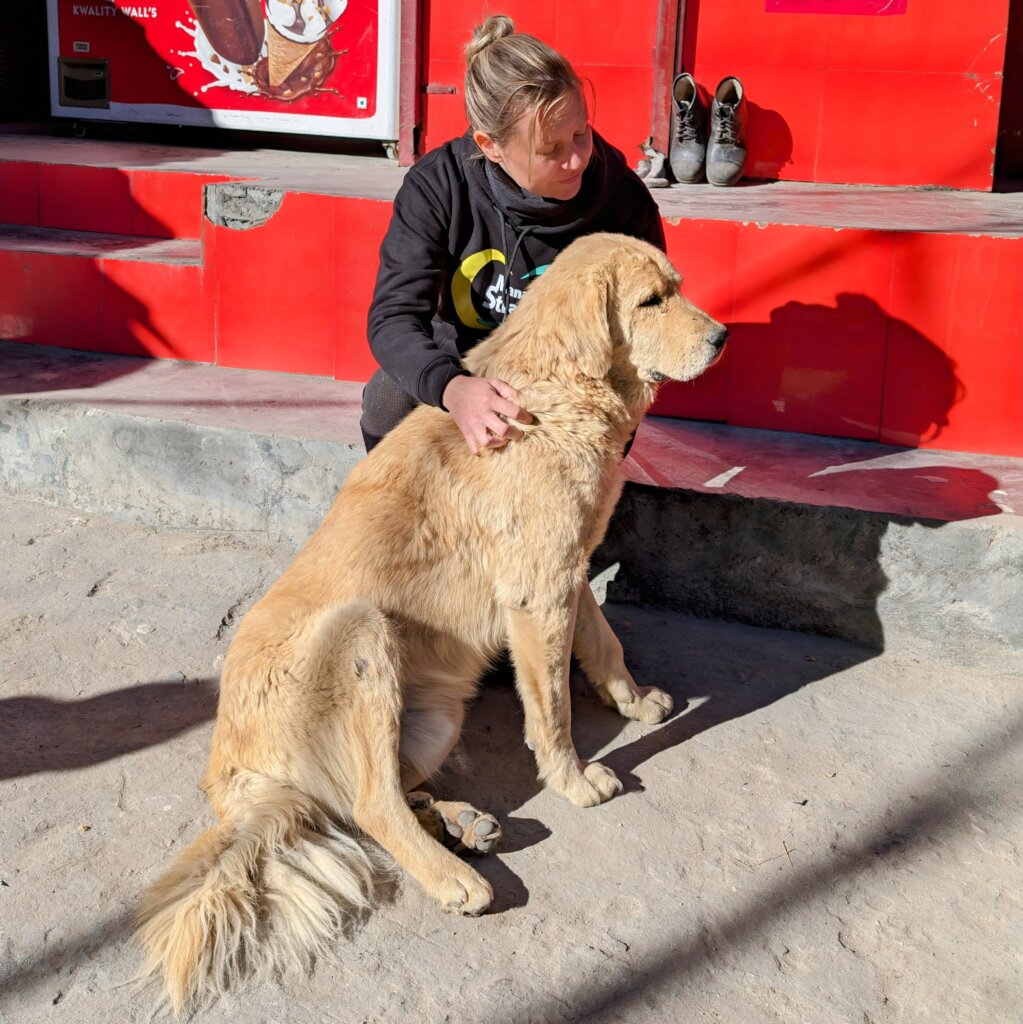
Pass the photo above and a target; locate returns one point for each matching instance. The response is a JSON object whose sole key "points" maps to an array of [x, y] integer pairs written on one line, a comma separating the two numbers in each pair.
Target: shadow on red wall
{"points": [[848, 370], [825, 370], [97, 274], [769, 143]]}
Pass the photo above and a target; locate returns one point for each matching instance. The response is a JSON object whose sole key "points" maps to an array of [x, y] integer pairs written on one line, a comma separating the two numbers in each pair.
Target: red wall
{"points": [[909, 338], [912, 338], [610, 47], [902, 99], [321, 328], [908, 98]]}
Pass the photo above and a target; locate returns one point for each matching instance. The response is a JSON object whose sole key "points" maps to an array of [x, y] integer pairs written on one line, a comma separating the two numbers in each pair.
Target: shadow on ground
{"points": [[908, 824], [494, 770], [57, 958], [40, 734]]}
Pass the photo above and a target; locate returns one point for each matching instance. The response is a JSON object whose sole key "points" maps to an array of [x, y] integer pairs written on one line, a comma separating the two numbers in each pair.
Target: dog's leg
{"points": [[428, 735], [540, 642], [427, 738], [380, 808], [600, 654]]}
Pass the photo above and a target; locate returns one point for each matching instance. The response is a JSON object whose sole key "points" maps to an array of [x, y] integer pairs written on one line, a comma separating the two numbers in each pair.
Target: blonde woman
{"points": [[477, 219]]}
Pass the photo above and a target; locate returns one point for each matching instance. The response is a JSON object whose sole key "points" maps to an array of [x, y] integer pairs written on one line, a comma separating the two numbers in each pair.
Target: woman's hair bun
{"points": [[496, 27], [502, 82]]}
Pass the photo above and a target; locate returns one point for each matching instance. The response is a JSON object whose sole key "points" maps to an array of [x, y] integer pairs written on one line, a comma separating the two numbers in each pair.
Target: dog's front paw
{"points": [[594, 785], [603, 780], [653, 706]]}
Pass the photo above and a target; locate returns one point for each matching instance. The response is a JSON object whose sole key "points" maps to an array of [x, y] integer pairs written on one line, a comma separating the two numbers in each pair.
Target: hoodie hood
{"points": [[601, 180]]}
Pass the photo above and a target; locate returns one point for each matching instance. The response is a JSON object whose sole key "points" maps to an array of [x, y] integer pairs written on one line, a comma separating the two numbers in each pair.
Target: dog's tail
{"points": [[267, 889]]}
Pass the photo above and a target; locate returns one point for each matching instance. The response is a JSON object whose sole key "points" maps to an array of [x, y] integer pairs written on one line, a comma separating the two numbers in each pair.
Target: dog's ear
{"points": [[587, 324]]}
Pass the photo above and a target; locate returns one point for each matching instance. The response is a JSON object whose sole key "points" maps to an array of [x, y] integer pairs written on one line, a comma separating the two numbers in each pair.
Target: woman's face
{"points": [[564, 144]]}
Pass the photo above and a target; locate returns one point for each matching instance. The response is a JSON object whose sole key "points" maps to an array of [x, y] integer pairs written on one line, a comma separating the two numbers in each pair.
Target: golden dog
{"points": [[345, 686]]}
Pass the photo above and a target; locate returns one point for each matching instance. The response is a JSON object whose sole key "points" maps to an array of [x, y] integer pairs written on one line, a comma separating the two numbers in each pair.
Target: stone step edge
{"points": [[867, 577], [878, 579], [100, 245]]}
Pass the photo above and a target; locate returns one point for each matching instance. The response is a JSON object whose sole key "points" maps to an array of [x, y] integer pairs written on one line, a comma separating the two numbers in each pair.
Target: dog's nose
{"points": [[718, 338]]}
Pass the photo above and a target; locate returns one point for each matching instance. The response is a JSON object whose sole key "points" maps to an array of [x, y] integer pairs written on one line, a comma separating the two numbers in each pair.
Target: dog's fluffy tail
{"points": [[267, 889]]}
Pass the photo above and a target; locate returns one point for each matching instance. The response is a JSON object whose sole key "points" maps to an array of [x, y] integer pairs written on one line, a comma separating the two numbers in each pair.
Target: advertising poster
{"points": [[312, 66], [882, 7]]}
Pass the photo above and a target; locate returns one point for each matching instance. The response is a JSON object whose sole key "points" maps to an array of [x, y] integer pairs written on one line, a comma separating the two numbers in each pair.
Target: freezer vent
{"points": [[84, 82]]}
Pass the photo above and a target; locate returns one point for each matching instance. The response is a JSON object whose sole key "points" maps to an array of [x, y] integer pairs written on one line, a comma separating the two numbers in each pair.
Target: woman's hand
{"points": [[483, 408]]}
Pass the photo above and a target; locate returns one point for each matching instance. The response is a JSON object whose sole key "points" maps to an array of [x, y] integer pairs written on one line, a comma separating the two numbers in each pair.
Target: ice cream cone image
{"points": [[283, 56]]}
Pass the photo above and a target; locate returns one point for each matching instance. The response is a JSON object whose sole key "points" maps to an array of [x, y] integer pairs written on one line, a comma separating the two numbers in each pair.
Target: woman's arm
{"points": [[414, 260], [413, 270]]}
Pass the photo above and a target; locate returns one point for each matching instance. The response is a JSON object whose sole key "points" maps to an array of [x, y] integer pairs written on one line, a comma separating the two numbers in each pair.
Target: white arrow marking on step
{"points": [[720, 481]]}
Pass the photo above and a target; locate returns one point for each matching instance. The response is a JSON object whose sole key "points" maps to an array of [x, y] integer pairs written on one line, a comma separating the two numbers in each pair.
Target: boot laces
{"points": [[687, 131], [727, 127]]}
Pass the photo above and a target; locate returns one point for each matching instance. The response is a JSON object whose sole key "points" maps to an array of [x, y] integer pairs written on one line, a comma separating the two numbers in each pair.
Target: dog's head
{"points": [[610, 307], [643, 324]]}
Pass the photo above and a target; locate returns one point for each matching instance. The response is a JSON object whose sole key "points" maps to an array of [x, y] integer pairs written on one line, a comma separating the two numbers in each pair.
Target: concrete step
{"points": [[851, 308], [173, 443], [878, 545]]}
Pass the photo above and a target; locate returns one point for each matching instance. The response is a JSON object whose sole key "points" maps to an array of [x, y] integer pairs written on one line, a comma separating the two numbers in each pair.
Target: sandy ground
{"points": [[820, 834]]}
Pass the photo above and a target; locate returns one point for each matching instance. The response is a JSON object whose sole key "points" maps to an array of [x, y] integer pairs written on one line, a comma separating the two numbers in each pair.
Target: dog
{"points": [[344, 689]]}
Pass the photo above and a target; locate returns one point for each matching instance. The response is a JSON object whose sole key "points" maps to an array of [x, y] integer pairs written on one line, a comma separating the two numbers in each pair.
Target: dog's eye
{"points": [[652, 300]]}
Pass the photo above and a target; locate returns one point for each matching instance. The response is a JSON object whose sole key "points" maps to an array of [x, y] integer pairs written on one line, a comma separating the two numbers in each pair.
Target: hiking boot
{"points": [[689, 130], [726, 146]]}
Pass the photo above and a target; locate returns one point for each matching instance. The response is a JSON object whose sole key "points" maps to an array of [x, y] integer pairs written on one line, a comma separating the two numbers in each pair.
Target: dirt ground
{"points": [[820, 834]]}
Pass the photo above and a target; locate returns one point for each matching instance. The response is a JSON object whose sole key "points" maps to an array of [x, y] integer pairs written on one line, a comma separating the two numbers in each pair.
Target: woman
{"points": [[475, 220]]}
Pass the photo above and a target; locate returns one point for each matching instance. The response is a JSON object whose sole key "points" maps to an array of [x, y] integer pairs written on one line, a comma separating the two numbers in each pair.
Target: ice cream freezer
{"points": [[316, 67]]}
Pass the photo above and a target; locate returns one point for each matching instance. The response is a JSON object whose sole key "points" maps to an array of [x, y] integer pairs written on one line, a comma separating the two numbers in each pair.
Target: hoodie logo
{"points": [[493, 298], [461, 287]]}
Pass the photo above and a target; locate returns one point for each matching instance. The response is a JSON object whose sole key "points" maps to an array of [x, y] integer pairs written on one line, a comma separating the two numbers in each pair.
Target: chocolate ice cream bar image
{"points": [[235, 28]]}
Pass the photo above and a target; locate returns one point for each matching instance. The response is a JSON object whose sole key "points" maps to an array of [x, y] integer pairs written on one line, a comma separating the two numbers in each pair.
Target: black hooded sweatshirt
{"points": [[465, 240]]}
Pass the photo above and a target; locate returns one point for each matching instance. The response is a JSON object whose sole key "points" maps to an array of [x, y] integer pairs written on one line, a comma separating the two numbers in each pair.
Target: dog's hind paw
{"points": [[459, 826], [469, 894], [467, 829]]}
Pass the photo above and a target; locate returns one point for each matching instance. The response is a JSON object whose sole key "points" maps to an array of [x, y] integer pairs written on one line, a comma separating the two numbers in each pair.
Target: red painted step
{"points": [[126, 201], [133, 295]]}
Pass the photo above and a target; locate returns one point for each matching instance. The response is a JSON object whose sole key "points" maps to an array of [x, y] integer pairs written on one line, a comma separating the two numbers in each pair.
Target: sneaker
{"points": [[689, 130], [651, 167], [726, 147]]}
